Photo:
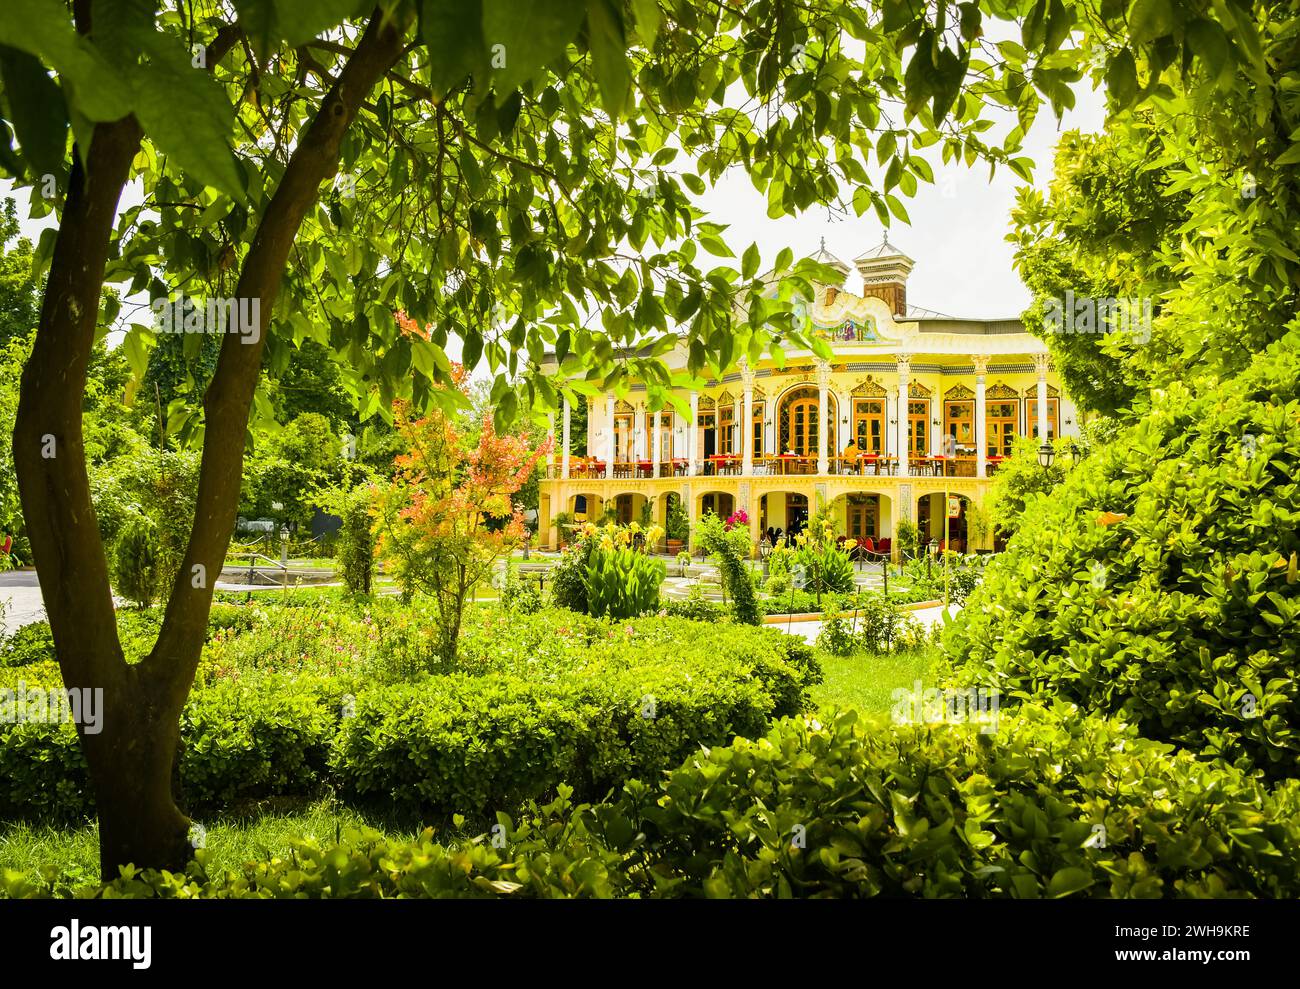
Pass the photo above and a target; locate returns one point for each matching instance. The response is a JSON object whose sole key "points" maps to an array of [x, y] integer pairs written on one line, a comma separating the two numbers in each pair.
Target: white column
{"points": [[936, 412], [692, 439], [550, 435], [981, 417], [655, 444], [638, 432], [904, 373], [564, 452], [1040, 365], [823, 412], [891, 414], [736, 425], [609, 437], [747, 424]]}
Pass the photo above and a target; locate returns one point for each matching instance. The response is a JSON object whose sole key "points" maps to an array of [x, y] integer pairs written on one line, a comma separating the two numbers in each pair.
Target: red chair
{"points": [[885, 546]]}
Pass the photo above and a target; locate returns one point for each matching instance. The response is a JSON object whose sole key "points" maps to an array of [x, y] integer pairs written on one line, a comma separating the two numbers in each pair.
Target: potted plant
{"points": [[562, 522], [678, 525]]}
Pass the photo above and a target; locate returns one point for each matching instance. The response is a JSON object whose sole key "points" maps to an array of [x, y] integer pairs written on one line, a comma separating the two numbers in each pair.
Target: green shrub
{"points": [[27, 644], [696, 608], [835, 634], [1159, 581], [136, 563], [520, 593], [354, 546], [826, 569], [908, 539], [298, 702], [729, 545], [478, 744], [622, 582], [569, 577], [881, 626], [1054, 804]]}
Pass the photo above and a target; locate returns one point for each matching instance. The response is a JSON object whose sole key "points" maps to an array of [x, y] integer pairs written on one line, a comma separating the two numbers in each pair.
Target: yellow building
{"points": [[913, 407]]}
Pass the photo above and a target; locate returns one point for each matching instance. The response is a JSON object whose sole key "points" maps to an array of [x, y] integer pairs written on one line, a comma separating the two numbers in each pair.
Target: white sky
{"points": [[958, 229]]}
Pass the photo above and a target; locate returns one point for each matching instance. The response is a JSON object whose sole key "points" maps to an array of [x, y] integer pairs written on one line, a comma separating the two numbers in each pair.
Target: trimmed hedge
{"points": [[1159, 580], [536, 703], [840, 810]]}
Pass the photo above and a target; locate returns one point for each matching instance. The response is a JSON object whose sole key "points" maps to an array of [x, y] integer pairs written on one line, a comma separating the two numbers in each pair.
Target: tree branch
{"points": [[230, 394]]}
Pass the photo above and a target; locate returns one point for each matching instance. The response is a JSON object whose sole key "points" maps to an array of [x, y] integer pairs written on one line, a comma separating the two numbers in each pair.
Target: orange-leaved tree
{"points": [[449, 513]]}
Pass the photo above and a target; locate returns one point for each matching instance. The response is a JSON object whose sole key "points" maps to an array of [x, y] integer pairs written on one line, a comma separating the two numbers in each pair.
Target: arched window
{"points": [[801, 422], [1002, 419], [959, 418]]}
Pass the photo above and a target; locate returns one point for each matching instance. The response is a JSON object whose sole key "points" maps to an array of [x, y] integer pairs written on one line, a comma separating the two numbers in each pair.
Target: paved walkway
{"points": [[21, 596], [926, 616]]}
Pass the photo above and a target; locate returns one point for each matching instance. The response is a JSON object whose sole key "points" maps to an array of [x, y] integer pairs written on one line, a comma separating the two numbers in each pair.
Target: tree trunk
{"points": [[132, 763]]}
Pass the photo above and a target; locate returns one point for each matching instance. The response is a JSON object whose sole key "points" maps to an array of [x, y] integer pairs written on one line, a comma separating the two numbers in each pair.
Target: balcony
{"points": [[782, 465]]}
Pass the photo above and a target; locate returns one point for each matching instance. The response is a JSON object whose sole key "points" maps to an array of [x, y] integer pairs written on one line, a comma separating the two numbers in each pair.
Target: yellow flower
{"points": [[635, 526], [607, 544]]}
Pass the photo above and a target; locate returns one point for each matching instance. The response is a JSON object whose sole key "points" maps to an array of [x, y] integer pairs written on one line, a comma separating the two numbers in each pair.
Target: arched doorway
{"points": [[720, 503], [932, 512], [784, 512], [862, 516]]}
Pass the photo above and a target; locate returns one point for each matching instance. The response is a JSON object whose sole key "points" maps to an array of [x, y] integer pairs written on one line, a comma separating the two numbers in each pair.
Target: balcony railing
{"points": [[782, 465]]}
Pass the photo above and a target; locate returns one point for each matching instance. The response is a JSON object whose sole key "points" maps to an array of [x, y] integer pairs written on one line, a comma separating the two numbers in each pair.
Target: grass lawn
{"points": [[865, 681], [231, 841]]}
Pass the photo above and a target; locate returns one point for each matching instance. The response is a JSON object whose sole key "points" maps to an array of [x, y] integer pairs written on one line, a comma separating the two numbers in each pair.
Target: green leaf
{"points": [[1069, 880], [648, 18], [137, 343], [90, 85], [302, 20], [1121, 78], [39, 114], [609, 56], [472, 349], [522, 38], [453, 32], [1150, 19], [185, 111]]}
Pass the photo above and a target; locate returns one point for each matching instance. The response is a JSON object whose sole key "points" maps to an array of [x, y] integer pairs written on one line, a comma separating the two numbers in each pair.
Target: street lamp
{"points": [[1075, 453], [1046, 455]]}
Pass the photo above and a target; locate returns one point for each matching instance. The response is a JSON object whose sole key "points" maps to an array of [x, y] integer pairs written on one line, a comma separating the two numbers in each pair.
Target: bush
{"points": [[1159, 582], [835, 635], [728, 543], [1055, 804], [908, 539], [569, 577], [27, 644], [826, 569], [355, 543], [136, 564], [299, 702], [880, 625], [696, 608], [777, 584], [519, 593], [622, 582]]}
